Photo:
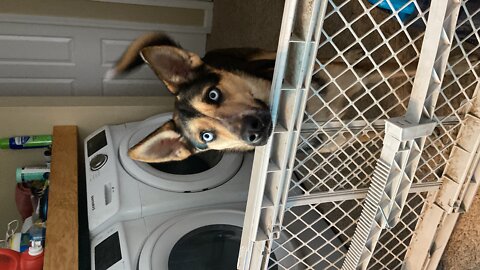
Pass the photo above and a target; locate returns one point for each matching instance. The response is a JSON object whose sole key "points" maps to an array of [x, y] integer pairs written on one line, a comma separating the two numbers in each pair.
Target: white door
{"points": [[54, 56]]}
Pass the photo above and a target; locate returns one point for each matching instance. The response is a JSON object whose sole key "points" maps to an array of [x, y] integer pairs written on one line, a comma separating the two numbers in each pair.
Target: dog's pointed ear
{"points": [[172, 65], [162, 145]]}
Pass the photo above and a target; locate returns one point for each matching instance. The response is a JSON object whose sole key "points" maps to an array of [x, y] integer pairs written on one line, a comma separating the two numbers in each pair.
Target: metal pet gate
{"points": [[376, 137]]}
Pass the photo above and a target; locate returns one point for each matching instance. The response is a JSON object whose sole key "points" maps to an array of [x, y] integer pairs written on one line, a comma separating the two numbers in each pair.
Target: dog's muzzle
{"points": [[257, 128]]}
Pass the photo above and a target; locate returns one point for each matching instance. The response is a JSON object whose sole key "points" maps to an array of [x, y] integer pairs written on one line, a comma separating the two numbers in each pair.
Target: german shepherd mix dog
{"points": [[221, 99]]}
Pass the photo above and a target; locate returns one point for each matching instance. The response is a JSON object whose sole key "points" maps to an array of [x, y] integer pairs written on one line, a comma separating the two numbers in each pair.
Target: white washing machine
{"points": [[201, 239], [119, 188], [175, 216]]}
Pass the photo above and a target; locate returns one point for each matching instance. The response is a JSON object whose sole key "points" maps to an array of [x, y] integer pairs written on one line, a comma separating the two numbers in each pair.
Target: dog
{"points": [[221, 100]]}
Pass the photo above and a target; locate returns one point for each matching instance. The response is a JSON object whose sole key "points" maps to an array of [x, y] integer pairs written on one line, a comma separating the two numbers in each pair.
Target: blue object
{"points": [[397, 5], [44, 206]]}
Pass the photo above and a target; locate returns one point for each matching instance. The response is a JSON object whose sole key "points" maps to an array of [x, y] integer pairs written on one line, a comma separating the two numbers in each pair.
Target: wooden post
{"points": [[61, 250]]}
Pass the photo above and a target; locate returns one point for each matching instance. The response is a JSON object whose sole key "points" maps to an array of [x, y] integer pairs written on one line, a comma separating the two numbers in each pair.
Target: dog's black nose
{"points": [[256, 129]]}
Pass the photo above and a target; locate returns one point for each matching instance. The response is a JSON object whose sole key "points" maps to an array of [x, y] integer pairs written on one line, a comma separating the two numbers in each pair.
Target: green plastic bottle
{"points": [[26, 142]]}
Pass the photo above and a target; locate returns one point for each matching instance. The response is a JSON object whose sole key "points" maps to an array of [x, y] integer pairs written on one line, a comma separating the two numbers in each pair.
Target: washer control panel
{"points": [[102, 177]]}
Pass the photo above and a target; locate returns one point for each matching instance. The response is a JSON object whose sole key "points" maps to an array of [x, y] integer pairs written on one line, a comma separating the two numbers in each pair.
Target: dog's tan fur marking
{"points": [[236, 103], [236, 83], [225, 139]]}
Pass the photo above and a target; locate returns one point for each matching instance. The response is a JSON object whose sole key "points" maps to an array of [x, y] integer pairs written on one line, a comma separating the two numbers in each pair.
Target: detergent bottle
{"points": [[31, 259]]}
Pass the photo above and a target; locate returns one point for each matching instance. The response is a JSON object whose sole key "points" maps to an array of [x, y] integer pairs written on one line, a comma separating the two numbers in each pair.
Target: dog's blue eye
{"points": [[214, 95], [207, 136]]}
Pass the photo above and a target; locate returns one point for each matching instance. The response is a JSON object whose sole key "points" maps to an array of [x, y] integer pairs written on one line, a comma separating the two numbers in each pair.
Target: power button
{"points": [[98, 161]]}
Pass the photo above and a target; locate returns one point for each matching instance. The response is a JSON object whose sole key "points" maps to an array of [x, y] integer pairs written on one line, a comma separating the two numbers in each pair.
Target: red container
{"points": [[23, 201], [13, 260], [9, 259]]}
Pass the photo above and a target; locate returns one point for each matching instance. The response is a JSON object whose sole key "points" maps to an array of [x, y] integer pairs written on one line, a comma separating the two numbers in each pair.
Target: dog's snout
{"points": [[252, 123], [256, 129]]}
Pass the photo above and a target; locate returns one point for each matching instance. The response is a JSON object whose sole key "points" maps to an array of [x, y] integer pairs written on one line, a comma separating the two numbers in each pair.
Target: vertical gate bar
{"points": [[248, 244], [273, 162], [428, 56], [405, 138], [453, 198]]}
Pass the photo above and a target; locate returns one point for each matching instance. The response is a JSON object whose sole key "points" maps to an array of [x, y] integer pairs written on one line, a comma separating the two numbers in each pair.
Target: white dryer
{"points": [[202, 239], [119, 188]]}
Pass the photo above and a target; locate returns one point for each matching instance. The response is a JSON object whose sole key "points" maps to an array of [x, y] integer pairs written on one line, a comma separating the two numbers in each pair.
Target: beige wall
{"points": [[23, 116], [243, 23], [101, 10]]}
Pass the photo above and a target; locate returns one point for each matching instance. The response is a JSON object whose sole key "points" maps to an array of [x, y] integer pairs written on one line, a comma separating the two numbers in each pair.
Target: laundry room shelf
{"points": [[61, 251]]}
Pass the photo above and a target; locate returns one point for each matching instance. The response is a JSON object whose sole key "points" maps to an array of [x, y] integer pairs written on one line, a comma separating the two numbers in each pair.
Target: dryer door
{"points": [[205, 240], [198, 173]]}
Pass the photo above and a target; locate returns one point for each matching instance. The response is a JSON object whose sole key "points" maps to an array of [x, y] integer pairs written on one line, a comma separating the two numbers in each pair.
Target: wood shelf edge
{"points": [[61, 249]]}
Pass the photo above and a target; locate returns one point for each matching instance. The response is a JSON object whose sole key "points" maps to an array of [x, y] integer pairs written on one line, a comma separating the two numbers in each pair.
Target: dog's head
{"points": [[214, 108]]}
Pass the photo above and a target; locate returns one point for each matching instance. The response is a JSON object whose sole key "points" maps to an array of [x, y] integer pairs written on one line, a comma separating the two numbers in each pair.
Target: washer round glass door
{"points": [[207, 240], [198, 173]]}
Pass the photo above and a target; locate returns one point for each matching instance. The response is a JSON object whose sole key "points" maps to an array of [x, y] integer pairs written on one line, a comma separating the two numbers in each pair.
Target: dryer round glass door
{"points": [[200, 172], [209, 247], [206, 240]]}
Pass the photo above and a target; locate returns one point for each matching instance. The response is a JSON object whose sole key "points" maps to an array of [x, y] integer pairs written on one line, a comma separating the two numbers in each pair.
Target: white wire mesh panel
{"points": [[366, 65], [394, 243], [458, 90], [363, 75], [318, 236], [273, 162]]}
